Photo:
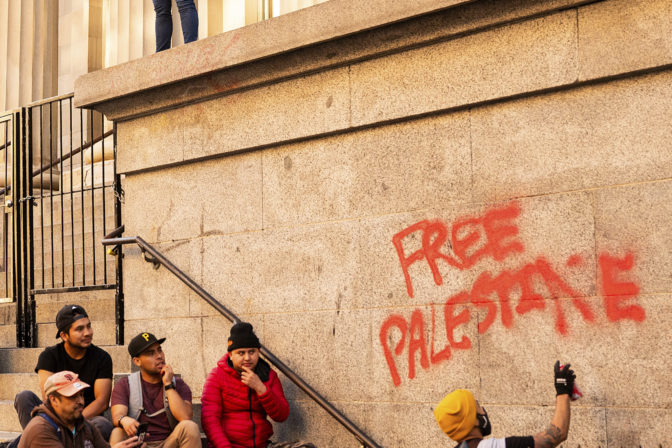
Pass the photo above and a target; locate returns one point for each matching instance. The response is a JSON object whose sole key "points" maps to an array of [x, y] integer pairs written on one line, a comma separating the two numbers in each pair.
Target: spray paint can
{"points": [[576, 392]]}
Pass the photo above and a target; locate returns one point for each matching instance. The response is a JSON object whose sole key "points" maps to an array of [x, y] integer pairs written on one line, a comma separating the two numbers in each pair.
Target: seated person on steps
{"points": [[153, 395], [58, 423], [240, 393], [76, 353]]}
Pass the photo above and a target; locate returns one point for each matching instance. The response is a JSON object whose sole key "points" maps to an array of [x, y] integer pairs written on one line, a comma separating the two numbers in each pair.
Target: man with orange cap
{"points": [[462, 419], [59, 423]]}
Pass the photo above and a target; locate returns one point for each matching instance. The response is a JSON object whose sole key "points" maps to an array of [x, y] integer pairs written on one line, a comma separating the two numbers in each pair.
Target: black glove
{"points": [[564, 379]]}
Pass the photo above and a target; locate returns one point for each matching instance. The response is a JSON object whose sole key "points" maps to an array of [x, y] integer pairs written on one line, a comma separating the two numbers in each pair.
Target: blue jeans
{"points": [[26, 401], [163, 25]]}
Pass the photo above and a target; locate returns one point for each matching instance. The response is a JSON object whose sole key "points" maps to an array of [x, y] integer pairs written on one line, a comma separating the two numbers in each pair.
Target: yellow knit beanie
{"points": [[456, 414]]}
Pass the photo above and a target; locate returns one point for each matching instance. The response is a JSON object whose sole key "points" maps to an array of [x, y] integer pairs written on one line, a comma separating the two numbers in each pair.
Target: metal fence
{"points": [[63, 193], [7, 131]]}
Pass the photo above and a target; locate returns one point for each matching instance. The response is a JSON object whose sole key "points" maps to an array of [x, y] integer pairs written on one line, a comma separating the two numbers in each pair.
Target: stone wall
{"points": [[405, 200]]}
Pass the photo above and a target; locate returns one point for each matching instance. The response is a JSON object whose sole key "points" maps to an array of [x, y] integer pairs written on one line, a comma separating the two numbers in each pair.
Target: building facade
{"points": [[406, 198], [46, 44], [411, 197]]}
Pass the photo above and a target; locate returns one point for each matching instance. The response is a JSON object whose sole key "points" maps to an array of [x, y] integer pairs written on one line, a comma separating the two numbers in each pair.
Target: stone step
{"points": [[67, 222], [103, 333], [22, 360], [5, 291], [89, 174], [63, 277], [78, 239], [13, 383], [48, 217], [62, 252], [43, 231], [8, 436], [67, 256], [69, 179], [50, 206], [74, 297], [7, 313], [97, 309], [73, 200], [63, 263], [103, 330], [9, 421], [8, 335]]}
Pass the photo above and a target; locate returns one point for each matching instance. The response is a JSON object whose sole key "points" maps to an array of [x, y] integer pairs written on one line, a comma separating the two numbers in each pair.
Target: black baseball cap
{"points": [[140, 343], [67, 316]]}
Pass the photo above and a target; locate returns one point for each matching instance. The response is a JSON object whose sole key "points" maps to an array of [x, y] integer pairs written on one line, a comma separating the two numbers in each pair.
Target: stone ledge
{"points": [[291, 46], [321, 23]]}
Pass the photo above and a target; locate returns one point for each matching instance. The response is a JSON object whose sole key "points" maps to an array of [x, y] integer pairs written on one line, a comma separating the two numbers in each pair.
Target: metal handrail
{"points": [[114, 239]]}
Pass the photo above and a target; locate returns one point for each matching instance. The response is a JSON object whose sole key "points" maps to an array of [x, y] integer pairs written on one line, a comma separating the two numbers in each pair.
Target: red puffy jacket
{"points": [[233, 415]]}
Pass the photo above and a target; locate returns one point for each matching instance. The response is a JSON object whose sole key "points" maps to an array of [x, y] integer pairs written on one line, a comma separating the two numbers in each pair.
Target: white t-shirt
{"points": [[509, 442], [492, 443]]}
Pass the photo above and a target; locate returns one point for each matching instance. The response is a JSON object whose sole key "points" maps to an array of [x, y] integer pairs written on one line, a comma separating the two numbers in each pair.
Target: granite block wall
{"points": [[458, 210]]}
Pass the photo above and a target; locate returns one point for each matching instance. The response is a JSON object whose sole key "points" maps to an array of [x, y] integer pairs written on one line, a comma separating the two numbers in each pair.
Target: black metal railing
{"points": [[73, 196], [152, 255], [64, 195], [7, 131]]}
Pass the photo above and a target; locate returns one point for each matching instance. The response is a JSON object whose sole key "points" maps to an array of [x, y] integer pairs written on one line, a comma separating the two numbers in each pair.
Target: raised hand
{"points": [[564, 379], [252, 380]]}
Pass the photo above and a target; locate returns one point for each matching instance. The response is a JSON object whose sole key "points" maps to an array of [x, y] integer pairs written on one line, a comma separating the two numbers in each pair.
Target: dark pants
{"points": [[163, 25], [26, 401]]}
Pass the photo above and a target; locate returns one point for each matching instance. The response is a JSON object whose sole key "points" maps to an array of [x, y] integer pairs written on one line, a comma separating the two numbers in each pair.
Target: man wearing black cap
{"points": [[153, 396], [75, 353], [240, 393]]}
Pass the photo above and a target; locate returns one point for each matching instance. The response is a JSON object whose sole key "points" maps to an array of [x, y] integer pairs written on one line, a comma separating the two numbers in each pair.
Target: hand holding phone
{"points": [[142, 431], [131, 442]]}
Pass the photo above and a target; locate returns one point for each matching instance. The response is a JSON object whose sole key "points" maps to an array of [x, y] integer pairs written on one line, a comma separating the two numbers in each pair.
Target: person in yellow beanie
{"points": [[462, 419]]}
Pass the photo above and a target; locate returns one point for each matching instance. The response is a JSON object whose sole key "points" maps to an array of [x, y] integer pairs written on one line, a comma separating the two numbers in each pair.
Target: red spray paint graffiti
{"points": [[494, 235], [497, 227]]}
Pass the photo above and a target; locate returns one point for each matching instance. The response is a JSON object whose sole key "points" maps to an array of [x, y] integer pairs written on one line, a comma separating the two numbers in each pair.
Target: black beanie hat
{"points": [[242, 336]]}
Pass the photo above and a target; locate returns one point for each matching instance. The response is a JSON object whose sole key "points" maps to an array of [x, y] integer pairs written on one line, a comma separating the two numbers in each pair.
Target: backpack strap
{"points": [[135, 395], [172, 421], [135, 404], [52, 423]]}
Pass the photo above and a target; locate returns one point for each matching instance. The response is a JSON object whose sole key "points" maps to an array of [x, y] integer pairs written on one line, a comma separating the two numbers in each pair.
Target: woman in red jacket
{"points": [[239, 393]]}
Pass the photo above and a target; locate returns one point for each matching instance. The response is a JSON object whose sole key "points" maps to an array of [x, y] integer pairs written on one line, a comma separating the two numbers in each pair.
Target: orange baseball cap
{"points": [[65, 383]]}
